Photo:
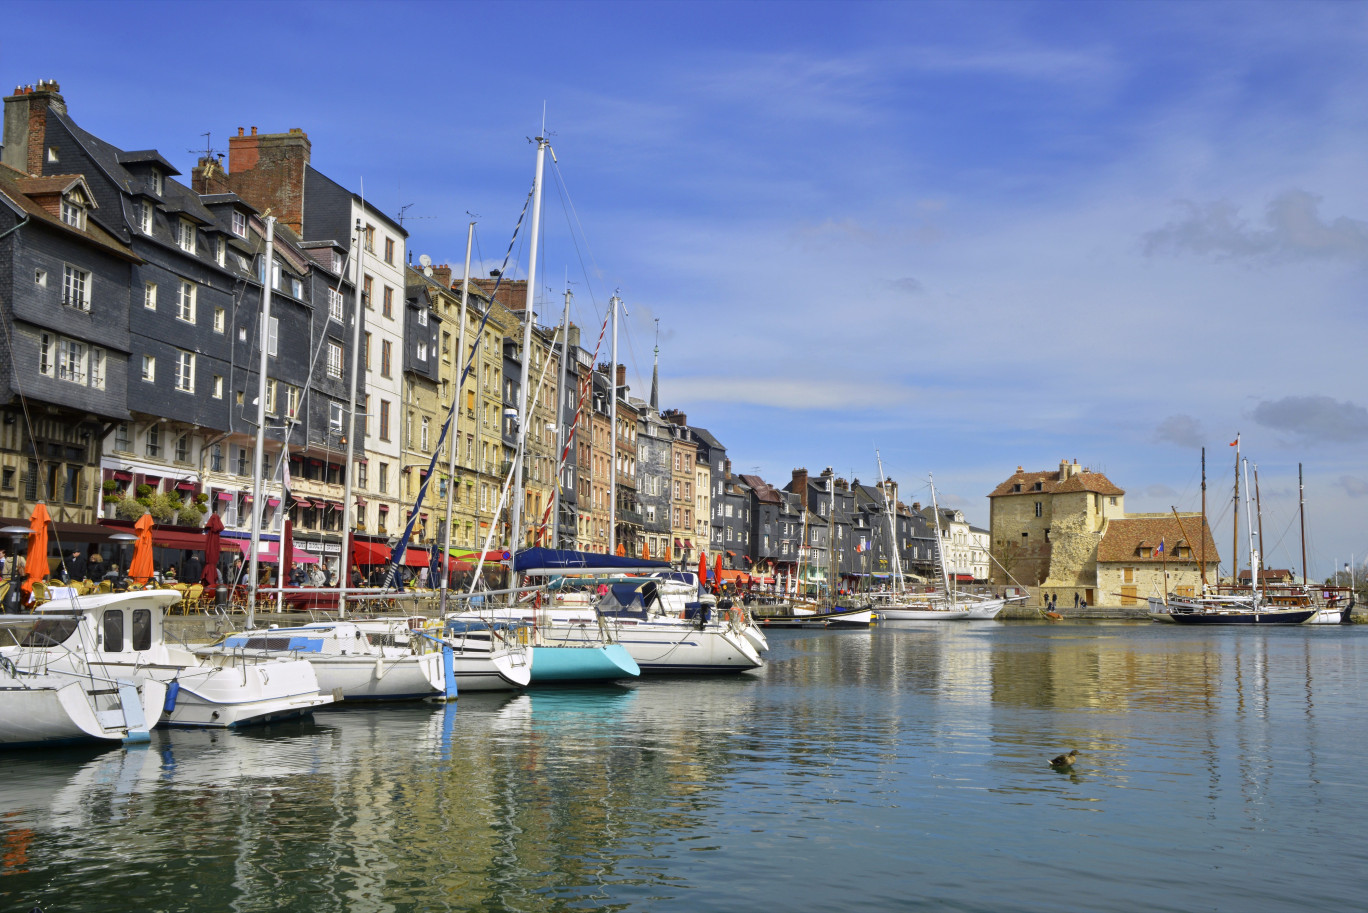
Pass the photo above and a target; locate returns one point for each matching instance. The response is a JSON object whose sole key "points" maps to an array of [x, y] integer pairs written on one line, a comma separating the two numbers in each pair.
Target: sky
{"points": [[968, 236]]}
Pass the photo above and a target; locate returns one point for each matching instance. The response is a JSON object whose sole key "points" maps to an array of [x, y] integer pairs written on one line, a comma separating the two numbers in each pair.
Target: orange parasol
{"points": [[717, 571], [36, 563], [140, 568], [621, 550], [645, 551], [666, 559], [703, 570]]}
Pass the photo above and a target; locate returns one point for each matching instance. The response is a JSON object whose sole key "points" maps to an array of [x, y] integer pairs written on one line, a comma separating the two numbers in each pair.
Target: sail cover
{"points": [[555, 561]]}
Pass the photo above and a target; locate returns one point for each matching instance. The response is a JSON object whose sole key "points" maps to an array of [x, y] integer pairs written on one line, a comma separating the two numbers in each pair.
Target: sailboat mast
{"points": [[613, 303], [1235, 521], [517, 487], [831, 536], [348, 489], [1253, 552], [455, 442], [1201, 549], [940, 548], [1301, 512], [892, 527], [259, 453], [562, 430], [1258, 511]]}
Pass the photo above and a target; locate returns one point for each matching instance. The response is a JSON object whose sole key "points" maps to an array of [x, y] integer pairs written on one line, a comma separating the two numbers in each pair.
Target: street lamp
{"points": [[17, 535], [122, 540]]}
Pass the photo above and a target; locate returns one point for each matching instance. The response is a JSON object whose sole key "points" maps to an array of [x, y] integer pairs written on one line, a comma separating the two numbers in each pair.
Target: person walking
{"points": [[1075, 600]]}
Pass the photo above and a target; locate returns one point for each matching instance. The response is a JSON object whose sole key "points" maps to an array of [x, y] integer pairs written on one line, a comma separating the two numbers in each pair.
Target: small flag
{"points": [[1160, 549], [1236, 442]]}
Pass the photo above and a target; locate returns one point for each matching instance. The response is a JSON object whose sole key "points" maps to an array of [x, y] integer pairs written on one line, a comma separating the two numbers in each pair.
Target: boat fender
{"points": [[172, 690]]}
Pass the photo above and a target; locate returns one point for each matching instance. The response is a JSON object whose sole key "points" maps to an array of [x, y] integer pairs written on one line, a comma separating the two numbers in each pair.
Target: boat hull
{"points": [[1274, 617], [853, 618], [581, 663], [665, 647]]}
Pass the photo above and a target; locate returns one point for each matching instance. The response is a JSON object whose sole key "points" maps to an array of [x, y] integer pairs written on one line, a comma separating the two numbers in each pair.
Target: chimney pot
{"points": [[254, 131], [240, 131]]}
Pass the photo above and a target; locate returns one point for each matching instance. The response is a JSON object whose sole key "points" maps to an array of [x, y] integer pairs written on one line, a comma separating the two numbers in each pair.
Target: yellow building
{"points": [[1045, 526], [1145, 555]]}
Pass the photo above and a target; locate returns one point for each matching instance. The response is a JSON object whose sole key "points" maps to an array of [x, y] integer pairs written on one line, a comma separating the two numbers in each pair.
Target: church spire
{"points": [[655, 373]]}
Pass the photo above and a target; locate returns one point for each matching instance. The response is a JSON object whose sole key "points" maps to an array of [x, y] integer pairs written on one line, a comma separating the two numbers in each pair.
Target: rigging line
{"points": [[398, 554], [574, 425], [566, 208], [570, 207]]}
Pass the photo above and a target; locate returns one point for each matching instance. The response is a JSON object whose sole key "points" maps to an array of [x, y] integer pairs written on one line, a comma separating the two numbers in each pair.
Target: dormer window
{"points": [[74, 210], [240, 224], [154, 181], [185, 235], [1016, 487], [1039, 486], [145, 216]]}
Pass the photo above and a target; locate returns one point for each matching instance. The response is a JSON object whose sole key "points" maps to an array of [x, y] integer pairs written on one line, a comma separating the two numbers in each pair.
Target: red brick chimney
{"points": [[26, 125], [208, 176], [622, 377], [267, 170], [442, 275], [800, 486]]}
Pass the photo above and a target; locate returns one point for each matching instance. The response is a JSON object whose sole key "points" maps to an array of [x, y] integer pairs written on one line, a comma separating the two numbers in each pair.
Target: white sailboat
{"points": [[948, 605]]}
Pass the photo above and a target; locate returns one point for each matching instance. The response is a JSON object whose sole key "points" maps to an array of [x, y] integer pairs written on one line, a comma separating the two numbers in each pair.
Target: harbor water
{"points": [[900, 768]]}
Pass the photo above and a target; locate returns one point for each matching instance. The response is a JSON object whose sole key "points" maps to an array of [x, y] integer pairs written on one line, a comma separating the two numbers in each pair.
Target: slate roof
{"points": [[1051, 485], [704, 435], [10, 189], [1122, 540], [764, 491]]}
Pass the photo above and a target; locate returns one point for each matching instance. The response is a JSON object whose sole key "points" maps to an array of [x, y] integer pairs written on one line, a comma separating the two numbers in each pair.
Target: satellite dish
{"points": [[424, 260]]}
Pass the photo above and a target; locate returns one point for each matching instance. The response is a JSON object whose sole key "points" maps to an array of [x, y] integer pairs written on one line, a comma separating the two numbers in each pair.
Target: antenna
{"points": [[657, 336], [405, 208], [208, 151]]}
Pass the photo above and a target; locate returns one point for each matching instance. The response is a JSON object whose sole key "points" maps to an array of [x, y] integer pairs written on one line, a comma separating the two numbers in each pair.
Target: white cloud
{"points": [[1315, 418], [1292, 229]]}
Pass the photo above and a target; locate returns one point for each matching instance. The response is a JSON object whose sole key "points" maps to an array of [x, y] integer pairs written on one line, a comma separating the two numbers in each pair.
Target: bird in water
{"points": [[1065, 761]]}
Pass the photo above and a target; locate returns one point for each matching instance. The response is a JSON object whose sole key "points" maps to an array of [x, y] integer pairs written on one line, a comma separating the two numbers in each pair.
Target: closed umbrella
{"points": [[667, 552], [645, 551], [703, 570], [140, 568], [621, 550], [286, 552], [36, 562], [212, 547], [717, 571]]}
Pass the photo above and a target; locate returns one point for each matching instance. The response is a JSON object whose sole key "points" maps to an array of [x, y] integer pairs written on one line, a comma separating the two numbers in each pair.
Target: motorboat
{"points": [[37, 708], [121, 636], [360, 661]]}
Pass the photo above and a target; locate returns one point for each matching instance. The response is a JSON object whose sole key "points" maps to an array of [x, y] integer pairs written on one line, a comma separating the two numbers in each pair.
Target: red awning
{"points": [[225, 496], [167, 538], [688, 543], [185, 486], [272, 502], [302, 502], [677, 544], [370, 553], [416, 557], [964, 578], [383, 508], [123, 476]]}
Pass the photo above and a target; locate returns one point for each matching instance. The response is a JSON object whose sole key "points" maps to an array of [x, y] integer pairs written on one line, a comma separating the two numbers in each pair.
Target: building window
{"points": [[384, 477], [154, 441], [76, 288], [46, 341], [71, 361], [334, 360], [367, 290], [218, 386], [335, 418], [296, 288], [335, 304], [73, 213], [422, 351], [216, 458], [185, 371], [271, 396], [155, 182], [40, 278], [389, 250], [423, 434], [365, 353], [97, 367], [272, 336], [275, 275], [150, 295], [220, 248], [240, 224], [368, 238], [385, 349], [384, 421], [183, 449], [121, 439], [149, 368], [389, 302], [52, 154], [145, 216], [185, 301], [1039, 509], [220, 319], [185, 235], [292, 396]]}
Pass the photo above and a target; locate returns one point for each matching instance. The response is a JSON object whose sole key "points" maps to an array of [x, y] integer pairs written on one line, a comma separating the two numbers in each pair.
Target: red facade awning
{"points": [[416, 557], [370, 553], [185, 486], [122, 476]]}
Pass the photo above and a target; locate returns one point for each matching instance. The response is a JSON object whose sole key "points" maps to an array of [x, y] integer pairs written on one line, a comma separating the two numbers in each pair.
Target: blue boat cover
{"points": [[570, 562]]}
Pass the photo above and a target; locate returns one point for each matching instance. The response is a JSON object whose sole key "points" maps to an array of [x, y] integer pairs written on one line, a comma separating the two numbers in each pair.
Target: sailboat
{"points": [[1236, 606], [948, 605]]}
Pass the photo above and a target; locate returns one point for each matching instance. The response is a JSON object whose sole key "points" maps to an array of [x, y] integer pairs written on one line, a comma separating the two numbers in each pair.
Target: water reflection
{"points": [[878, 760]]}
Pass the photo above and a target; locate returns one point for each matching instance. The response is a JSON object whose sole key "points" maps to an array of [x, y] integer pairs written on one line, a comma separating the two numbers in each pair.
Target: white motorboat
{"points": [[700, 638], [487, 657], [114, 636], [42, 709], [360, 661]]}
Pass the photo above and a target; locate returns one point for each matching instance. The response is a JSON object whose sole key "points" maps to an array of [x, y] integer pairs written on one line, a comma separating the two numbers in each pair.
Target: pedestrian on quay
{"points": [[1075, 600]]}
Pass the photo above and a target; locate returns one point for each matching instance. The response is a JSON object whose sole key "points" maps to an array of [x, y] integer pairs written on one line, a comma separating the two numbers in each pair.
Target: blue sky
{"points": [[973, 236]]}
